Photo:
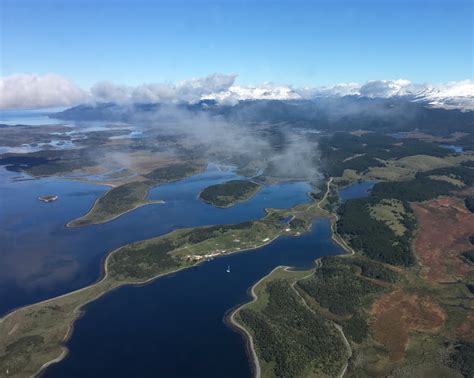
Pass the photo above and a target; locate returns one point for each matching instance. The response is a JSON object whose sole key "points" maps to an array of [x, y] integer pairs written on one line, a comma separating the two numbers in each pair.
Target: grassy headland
{"points": [[126, 197], [115, 202]]}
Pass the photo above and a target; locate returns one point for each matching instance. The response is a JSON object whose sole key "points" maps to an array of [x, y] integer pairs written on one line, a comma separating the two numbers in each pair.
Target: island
{"points": [[229, 193], [48, 198]]}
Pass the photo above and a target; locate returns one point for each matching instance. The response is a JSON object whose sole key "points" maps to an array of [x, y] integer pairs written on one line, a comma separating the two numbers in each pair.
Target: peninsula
{"points": [[129, 196]]}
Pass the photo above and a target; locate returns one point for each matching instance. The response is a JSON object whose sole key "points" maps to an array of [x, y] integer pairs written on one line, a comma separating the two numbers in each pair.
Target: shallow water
{"points": [[452, 147]]}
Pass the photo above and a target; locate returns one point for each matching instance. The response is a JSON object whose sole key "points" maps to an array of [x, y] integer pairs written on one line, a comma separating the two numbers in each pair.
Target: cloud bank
{"points": [[30, 91], [27, 91], [188, 91]]}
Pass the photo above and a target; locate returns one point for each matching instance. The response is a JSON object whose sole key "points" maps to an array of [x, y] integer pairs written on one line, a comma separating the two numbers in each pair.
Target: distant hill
{"points": [[335, 113]]}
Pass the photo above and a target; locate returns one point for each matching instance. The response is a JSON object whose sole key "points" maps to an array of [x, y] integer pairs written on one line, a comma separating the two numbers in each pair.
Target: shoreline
{"points": [[242, 330], [104, 275], [239, 328], [234, 324], [104, 270], [151, 202], [233, 203]]}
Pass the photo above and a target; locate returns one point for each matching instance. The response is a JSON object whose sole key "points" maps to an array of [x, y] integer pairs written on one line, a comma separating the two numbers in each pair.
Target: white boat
{"points": [[228, 269]]}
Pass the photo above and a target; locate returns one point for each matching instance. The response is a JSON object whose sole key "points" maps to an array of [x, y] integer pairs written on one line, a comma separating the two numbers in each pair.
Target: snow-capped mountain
{"points": [[451, 95], [31, 91], [267, 91]]}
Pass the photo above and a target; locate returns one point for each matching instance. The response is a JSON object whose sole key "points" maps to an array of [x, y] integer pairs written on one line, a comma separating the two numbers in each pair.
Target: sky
{"points": [[300, 43]]}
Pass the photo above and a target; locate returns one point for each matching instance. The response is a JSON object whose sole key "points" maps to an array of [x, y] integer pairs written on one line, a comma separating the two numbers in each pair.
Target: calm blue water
{"points": [[173, 327], [452, 147], [40, 258], [28, 117], [356, 190]]}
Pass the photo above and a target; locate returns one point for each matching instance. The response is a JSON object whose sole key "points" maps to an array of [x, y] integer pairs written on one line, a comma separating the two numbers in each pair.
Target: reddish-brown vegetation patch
{"points": [[444, 228], [400, 312], [465, 330]]}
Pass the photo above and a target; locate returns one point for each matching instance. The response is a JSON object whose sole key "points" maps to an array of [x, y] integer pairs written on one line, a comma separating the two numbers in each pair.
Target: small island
{"points": [[48, 198], [229, 193]]}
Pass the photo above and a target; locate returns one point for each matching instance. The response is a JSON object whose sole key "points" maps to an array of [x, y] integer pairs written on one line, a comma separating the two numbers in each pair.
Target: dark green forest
{"points": [[225, 194], [343, 150], [373, 237], [337, 287], [290, 336]]}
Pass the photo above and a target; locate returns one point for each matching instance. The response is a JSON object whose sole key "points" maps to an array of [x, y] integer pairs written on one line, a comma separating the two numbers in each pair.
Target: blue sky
{"points": [[289, 42]]}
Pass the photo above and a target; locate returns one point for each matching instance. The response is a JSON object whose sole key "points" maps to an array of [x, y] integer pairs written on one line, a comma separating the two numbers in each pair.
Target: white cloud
{"points": [[342, 89], [372, 88], [24, 91], [455, 94], [189, 91], [27, 91], [387, 88], [106, 91], [266, 91]]}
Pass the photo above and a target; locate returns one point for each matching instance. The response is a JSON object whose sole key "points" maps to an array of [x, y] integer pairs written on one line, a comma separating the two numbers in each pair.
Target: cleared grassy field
{"points": [[391, 212], [406, 167], [451, 180]]}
